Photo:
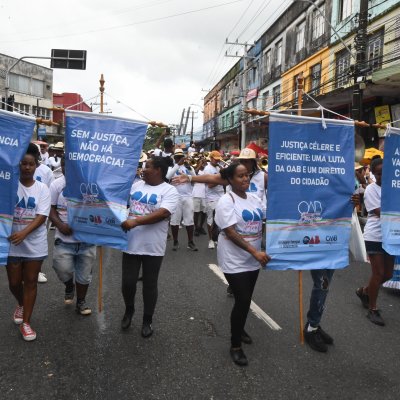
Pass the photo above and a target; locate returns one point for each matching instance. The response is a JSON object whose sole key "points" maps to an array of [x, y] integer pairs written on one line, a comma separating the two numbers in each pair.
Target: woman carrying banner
{"points": [[28, 241], [152, 201], [239, 216], [382, 263]]}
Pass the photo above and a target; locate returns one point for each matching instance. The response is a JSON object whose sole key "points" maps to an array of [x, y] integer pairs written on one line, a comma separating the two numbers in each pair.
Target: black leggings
{"points": [[242, 285], [151, 265]]}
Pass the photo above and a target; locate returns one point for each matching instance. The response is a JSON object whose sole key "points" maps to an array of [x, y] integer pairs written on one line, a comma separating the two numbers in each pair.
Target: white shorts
{"points": [[184, 210], [199, 204], [210, 208]]}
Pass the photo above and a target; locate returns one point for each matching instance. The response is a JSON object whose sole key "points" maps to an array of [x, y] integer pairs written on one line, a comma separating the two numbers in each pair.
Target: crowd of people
{"points": [[174, 189]]}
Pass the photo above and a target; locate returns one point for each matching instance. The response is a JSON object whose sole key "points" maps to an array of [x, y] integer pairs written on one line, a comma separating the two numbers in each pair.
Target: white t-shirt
{"points": [[184, 189], [44, 157], [246, 215], [55, 166], [145, 199], [44, 174], [32, 201], [58, 199], [161, 153], [214, 193], [372, 201], [199, 189]]}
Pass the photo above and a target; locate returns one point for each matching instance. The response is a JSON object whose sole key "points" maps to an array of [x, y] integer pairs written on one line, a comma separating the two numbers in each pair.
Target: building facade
{"points": [[319, 43]]}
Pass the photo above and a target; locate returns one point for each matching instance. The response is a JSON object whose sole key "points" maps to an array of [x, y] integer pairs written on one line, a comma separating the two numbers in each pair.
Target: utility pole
{"points": [[186, 122], [191, 131], [361, 42], [180, 125], [244, 89], [102, 82]]}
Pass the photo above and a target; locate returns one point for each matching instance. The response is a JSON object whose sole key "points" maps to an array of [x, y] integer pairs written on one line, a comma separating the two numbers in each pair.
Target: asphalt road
{"points": [[76, 357]]}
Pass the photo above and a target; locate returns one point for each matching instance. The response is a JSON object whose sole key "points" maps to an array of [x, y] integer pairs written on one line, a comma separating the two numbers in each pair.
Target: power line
{"points": [[124, 25]]}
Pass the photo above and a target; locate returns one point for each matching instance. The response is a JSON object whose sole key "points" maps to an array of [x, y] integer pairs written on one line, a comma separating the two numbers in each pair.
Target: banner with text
{"points": [[390, 199], [101, 157], [310, 183], [15, 133]]}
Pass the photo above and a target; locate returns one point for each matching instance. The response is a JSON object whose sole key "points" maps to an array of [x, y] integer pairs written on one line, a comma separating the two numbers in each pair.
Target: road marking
{"points": [[256, 310]]}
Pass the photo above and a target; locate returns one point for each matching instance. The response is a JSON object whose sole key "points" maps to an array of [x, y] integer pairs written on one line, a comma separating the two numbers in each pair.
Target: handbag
{"points": [[357, 249]]}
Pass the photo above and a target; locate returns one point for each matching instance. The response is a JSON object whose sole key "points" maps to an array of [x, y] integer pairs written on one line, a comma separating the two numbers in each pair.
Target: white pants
{"points": [[199, 204], [210, 208], [184, 210]]}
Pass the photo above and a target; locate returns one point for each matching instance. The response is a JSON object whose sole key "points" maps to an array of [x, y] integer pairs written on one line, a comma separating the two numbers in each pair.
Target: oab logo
{"points": [[95, 219], [89, 192], [310, 211]]}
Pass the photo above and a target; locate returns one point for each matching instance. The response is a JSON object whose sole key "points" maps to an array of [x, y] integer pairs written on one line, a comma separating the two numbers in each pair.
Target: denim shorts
{"points": [[74, 259], [374, 248], [19, 260]]}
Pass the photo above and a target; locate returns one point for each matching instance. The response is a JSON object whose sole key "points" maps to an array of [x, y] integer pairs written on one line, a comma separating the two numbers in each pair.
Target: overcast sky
{"points": [[153, 60]]}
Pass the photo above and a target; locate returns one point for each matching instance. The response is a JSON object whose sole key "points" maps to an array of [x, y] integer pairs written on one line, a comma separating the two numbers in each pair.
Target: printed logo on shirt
{"points": [[249, 216], [252, 188], [138, 196], [39, 178], [30, 205]]}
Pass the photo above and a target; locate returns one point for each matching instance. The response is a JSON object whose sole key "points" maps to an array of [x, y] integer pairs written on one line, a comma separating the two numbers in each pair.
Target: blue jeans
{"points": [[74, 258], [322, 279]]}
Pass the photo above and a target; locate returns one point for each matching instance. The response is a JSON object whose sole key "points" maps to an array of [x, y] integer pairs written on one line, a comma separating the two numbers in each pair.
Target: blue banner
{"points": [[390, 200], [101, 157], [15, 133], [310, 183]]}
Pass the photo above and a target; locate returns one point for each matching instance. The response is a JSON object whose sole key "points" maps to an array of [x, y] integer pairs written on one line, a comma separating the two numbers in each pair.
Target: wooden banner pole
{"points": [[300, 275]]}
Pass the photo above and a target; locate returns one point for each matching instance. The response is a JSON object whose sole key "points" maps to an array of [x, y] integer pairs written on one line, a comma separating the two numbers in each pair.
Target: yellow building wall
{"points": [[288, 78]]}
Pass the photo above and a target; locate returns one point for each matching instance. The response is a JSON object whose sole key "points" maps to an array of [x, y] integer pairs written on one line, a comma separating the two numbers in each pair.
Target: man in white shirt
{"points": [[184, 210], [54, 162], [44, 155], [213, 193]]}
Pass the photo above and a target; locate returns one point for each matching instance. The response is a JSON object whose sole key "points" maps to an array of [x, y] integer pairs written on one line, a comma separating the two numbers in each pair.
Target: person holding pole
{"points": [[382, 263], [152, 202], [239, 215], [28, 241], [72, 260]]}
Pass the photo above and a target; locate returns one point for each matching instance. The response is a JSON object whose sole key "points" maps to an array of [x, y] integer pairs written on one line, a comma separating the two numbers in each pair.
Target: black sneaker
{"points": [[229, 291], [363, 297], [175, 247], [82, 308], [69, 294], [315, 340], [375, 317], [147, 330], [328, 339], [202, 231], [192, 246], [238, 357]]}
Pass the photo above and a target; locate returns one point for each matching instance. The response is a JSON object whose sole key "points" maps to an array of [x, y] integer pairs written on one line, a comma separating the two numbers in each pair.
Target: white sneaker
{"points": [[211, 244], [42, 278]]}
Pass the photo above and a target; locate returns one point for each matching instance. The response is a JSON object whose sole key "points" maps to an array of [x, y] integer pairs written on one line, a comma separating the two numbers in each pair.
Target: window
{"points": [[41, 113], [315, 79], [342, 68], [267, 62], [276, 94], [318, 22], [24, 84], [300, 36], [346, 8], [223, 123], [374, 51], [37, 88], [264, 100], [232, 119], [21, 108], [19, 83], [278, 53]]}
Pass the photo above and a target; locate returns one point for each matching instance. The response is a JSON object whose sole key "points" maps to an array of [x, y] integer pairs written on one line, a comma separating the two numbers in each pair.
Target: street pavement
{"points": [[76, 357]]}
